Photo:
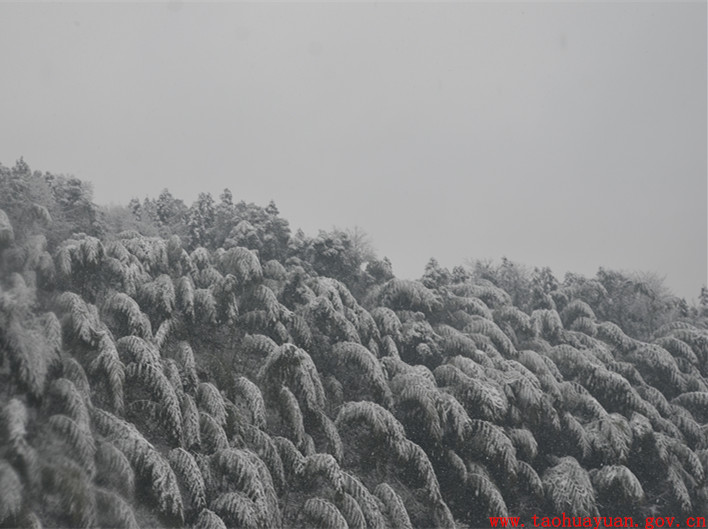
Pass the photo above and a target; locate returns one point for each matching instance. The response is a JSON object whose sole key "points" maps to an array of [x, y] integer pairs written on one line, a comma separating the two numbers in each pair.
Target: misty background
{"points": [[571, 135]]}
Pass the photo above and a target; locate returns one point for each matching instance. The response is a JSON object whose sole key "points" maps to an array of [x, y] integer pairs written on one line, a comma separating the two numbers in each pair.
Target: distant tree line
{"points": [[640, 303], [345, 254]]}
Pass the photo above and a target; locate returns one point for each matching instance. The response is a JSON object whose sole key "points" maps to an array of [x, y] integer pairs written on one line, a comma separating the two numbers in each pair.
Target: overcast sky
{"points": [[567, 135]]}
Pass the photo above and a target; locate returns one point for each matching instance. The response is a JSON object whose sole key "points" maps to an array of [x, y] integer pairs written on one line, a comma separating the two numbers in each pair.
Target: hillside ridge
{"points": [[172, 366]]}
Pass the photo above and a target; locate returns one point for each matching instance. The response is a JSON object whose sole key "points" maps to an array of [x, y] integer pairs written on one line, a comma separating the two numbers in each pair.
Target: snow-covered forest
{"points": [[173, 365]]}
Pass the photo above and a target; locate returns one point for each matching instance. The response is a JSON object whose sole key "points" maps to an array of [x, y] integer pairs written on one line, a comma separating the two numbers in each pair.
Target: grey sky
{"points": [[568, 135]]}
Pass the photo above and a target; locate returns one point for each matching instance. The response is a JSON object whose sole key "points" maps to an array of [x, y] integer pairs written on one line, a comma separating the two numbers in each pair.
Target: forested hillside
{"points": [[165, 365]]}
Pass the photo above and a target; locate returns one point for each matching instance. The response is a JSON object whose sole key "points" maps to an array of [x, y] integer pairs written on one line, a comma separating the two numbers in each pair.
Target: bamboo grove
{"points": [[152, 381]]}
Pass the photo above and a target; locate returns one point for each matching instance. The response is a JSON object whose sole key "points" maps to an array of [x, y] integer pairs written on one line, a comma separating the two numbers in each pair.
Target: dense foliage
{"points": [[172, 366]]}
